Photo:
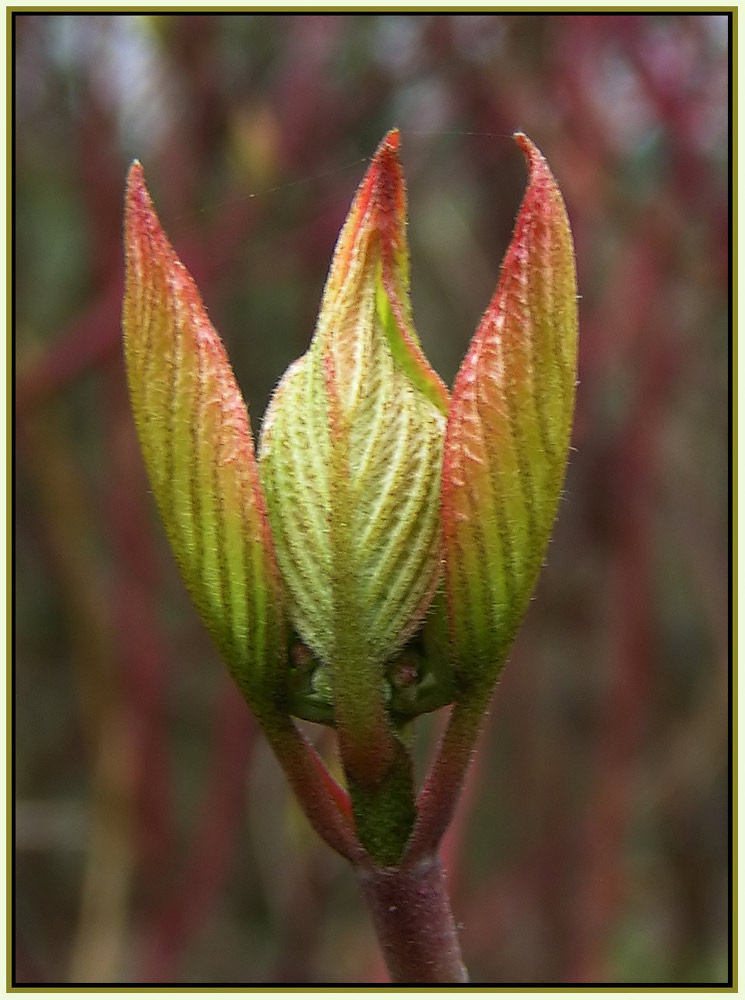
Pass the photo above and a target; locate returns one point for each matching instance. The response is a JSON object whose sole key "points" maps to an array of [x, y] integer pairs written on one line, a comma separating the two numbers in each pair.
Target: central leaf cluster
{"points": [[350, 458]]}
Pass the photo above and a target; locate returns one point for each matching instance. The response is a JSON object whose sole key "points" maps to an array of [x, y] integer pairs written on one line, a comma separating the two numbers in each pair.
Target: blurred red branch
{"points": [[621, 727], [143, 652], [197, 886]]}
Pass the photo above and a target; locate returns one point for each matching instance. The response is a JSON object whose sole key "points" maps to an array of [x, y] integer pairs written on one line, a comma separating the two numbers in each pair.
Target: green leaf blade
{"points": [[196, 440], [350, 456], [508, 432]]}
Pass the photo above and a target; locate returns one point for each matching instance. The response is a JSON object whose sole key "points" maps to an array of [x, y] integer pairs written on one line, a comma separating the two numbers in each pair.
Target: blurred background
{"points": [[155, 838]]}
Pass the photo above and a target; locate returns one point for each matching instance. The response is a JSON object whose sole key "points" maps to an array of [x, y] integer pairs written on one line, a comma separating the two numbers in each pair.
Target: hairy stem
{"points": [[412, 917], [325, 804], [439, 797]]}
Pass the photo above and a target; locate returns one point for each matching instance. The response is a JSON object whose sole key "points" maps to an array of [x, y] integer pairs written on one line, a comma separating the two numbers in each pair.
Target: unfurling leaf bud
{"points": [[196, 439], [508, 433], [350, 458], [378, 560]]}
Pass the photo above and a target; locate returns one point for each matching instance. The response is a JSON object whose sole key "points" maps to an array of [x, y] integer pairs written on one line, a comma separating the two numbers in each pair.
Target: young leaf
{"points": [[350, 458], [508, 432], [196, 439]]}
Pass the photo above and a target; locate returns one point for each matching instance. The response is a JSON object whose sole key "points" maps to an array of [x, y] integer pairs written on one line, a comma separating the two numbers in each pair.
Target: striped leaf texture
{"points": [[351, 450], [196, 440], [508, 432]]}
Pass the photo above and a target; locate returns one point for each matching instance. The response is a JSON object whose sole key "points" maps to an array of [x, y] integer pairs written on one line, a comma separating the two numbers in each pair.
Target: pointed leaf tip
{"points": [[137, 195], [350, 455], [508, 431], [196, 440], [535, 158], [392, 140], [381, 199]]}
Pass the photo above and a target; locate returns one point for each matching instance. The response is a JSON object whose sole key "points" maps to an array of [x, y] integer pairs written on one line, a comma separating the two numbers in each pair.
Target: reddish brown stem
{"points": [[439, 797], [325, 804], [415, 927]]}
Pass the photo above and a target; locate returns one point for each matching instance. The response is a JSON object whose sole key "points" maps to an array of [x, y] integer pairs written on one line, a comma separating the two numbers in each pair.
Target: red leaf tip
{"points": [[135, 177], [532, 153], [392, 140], [139, 211]]}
